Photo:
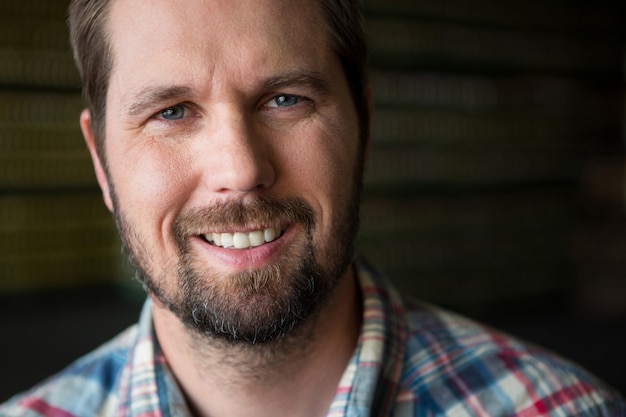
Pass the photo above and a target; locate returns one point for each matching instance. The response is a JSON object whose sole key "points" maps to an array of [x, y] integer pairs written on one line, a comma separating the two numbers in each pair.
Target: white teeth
{"points": [[227, 240], [256, 238], [269, 234], [239, 240]]}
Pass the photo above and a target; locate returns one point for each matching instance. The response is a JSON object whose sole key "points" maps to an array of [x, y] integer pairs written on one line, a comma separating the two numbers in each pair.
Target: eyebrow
{"points": [[313, 80], [154, 96]]}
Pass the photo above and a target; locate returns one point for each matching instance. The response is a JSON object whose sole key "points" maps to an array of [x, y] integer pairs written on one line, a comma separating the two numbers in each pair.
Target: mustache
{"points": [[228, 215]]}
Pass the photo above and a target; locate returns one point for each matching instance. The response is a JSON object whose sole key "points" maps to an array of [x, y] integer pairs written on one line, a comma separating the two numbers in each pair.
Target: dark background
{"points": [[494, 186]]}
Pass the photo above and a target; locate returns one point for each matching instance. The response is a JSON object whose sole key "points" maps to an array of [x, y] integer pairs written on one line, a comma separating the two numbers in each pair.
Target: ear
{"points": [[101, 175]]}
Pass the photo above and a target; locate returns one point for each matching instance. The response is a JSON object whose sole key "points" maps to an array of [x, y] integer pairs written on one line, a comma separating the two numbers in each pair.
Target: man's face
{"points": [[233, 158]]}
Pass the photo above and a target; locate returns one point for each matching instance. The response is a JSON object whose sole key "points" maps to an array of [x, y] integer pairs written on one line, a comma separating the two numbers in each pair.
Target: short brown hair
{"points": [[94, 58]]}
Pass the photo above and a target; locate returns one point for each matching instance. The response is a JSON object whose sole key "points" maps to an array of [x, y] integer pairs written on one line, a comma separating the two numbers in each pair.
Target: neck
{"points": [[297, 375]]}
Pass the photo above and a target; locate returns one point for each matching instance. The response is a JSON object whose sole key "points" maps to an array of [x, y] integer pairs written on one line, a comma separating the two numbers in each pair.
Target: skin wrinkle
{"points": [[154, 97], [91, 48]]}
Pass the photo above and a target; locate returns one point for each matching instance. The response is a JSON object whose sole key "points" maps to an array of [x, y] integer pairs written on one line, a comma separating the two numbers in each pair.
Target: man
{"points": [[229, 137]]}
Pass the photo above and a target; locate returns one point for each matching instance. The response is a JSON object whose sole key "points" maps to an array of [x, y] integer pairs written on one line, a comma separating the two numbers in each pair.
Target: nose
{"points": [[241, 157]]}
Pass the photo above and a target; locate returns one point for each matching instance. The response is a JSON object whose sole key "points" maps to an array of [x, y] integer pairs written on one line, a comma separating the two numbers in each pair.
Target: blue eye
{"points": [[283, 100], [173, 113]]}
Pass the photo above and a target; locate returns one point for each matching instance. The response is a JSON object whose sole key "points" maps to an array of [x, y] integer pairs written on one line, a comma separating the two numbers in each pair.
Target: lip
{"points": [[246, 259]]}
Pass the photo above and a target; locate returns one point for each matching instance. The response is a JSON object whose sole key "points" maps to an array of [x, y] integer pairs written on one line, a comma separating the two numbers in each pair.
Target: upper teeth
{"points": [[239, 240]]}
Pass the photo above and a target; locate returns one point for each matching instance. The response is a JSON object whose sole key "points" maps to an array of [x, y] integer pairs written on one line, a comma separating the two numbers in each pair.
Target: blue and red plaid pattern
{"points": [[412, 359]]}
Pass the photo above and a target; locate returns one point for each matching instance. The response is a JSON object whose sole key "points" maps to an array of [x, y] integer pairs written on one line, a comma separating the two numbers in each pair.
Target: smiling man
{"points": [[228, 138], [239, 208]]}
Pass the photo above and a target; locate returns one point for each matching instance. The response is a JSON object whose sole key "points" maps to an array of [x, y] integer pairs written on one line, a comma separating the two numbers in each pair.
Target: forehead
{"points": [[214, 16], [209, 34]]}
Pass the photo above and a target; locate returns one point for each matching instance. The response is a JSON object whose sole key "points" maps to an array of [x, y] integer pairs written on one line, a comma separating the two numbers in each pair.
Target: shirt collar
{"points": [[148, 387], [370, 383], [368, 386]]}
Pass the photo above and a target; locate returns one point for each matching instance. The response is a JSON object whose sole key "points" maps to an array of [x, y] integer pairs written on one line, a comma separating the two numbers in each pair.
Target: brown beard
{"points": [[257, 306]]}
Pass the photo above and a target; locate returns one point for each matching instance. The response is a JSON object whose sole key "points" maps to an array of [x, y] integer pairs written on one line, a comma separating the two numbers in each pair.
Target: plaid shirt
{"points": [[411, 360]]}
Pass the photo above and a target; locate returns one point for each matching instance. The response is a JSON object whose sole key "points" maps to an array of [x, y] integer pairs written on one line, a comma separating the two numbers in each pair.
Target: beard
{"points": [[255, 306]]}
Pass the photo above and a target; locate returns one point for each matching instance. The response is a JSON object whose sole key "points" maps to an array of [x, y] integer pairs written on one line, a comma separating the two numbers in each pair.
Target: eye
{"points": [[283, 100], [173, 113]]}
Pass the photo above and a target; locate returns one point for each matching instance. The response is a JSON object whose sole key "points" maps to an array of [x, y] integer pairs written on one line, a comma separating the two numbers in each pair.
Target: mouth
{"points": [[243, 240]]}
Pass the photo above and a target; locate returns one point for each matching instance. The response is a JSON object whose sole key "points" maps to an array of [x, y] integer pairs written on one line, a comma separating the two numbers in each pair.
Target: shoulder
{"points": [[452, 362], [84, 388]]}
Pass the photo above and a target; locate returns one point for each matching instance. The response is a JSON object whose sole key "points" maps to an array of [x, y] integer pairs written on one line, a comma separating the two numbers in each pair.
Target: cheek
{"points": [[339, 149], [325, 166], [149, 184]]}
